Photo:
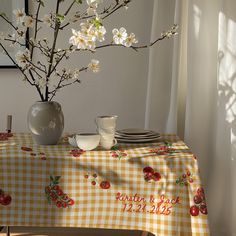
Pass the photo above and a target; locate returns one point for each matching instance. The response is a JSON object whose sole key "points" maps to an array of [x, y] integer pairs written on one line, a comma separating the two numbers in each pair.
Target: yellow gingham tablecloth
{"points": [[152, 187]]}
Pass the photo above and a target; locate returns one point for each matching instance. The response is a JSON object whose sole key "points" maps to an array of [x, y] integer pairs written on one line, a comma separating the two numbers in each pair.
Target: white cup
{"points": [[103, 131], [107, 141], [106, 122], [87, 141]]}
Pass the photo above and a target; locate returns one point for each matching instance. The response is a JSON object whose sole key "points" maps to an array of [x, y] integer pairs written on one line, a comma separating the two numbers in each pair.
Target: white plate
{"points": [[134, 131], [137, 140], [137, 136], [149, 135]]}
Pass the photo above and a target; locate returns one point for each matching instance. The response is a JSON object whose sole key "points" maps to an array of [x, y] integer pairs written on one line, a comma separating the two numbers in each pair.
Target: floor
{"points": [[35, 231]]}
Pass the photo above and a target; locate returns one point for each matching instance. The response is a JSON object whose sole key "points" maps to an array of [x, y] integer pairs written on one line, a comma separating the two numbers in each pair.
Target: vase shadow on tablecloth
{"points": [[110, 175]]}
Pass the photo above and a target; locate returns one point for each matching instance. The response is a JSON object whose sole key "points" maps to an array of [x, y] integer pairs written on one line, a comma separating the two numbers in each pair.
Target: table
{"points": [[153, 187]]}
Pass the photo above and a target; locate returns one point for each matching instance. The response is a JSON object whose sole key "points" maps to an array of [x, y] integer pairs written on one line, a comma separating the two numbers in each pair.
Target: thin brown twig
{"points": [[36, 28], [57, 26]]}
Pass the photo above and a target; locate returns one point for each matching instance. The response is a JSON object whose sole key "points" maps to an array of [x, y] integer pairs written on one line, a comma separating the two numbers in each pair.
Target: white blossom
{"points": [[88, 29], [100, 33], [28, 22], [42, 82], [91, 10], [90, 44], [84, 39], [76, 73], [119, 36], [47, 20], [94, 3], [22, 58], [87, 36], [130, 40], [78, 39], [20, 14], [94, 66]]}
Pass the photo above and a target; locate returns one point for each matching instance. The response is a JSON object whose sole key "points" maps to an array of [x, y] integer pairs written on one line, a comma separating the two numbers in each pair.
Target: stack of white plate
{"points": [[136, 136]]}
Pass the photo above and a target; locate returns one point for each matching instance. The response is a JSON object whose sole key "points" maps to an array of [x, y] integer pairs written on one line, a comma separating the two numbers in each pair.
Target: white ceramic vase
{"points": [[46, 122]]}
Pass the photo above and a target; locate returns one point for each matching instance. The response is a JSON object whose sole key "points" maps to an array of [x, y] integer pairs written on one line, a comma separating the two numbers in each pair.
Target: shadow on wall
{"points": [[212, 106], [221, 177]]}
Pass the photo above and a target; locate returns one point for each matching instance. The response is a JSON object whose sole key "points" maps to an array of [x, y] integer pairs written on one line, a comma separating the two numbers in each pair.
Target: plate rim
{"points": [[141, 131], [138, 140], [138, 137]]}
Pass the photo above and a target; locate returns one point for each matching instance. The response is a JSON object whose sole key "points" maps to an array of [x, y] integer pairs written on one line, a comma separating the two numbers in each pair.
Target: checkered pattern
{"points": [[24, 176]]}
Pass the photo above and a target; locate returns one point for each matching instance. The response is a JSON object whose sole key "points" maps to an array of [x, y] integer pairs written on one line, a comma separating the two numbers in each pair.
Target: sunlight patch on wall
{"points": [[233, 146], [227, 75], [197, 13]]}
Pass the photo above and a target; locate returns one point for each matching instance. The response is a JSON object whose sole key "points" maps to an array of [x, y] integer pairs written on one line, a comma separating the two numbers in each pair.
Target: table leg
{"points": [[8, 231], [144, 233]]}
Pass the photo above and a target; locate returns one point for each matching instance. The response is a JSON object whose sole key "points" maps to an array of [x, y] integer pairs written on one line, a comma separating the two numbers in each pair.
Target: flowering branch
{"points": [[89, 37]]}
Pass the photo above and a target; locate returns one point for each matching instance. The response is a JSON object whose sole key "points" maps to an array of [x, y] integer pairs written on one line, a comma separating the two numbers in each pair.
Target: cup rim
{"points": [[107, 116], [87, 134]]}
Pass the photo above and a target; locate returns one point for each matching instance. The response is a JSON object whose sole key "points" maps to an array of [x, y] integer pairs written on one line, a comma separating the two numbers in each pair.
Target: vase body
{"points": [[46, 122]]}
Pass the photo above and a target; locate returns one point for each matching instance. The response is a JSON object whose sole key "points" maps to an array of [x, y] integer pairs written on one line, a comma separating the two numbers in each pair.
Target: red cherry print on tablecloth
{"points": [[148, 169], [200, 191], [150, 174], [26, 149], [165, 149], [203, 209], [200, 203], [197, 199], [105, 184], [185, 179], [95, 181], [59, 204], [156, 176], [55, 194], [117, 152], [42, 155], [77, 152], [5, 199], [71, 202], [5, 136], [194, 210]]}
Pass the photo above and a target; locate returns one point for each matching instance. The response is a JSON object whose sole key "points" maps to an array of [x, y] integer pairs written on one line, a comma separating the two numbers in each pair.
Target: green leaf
{"points": [[168, 143], [115, 148], [78, 1], [51, 178], [96, 22], [57, 178], [60, 18]]}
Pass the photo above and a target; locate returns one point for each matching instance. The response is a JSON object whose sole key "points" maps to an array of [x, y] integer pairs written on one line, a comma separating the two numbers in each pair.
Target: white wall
{"points": [[120, 87]]}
